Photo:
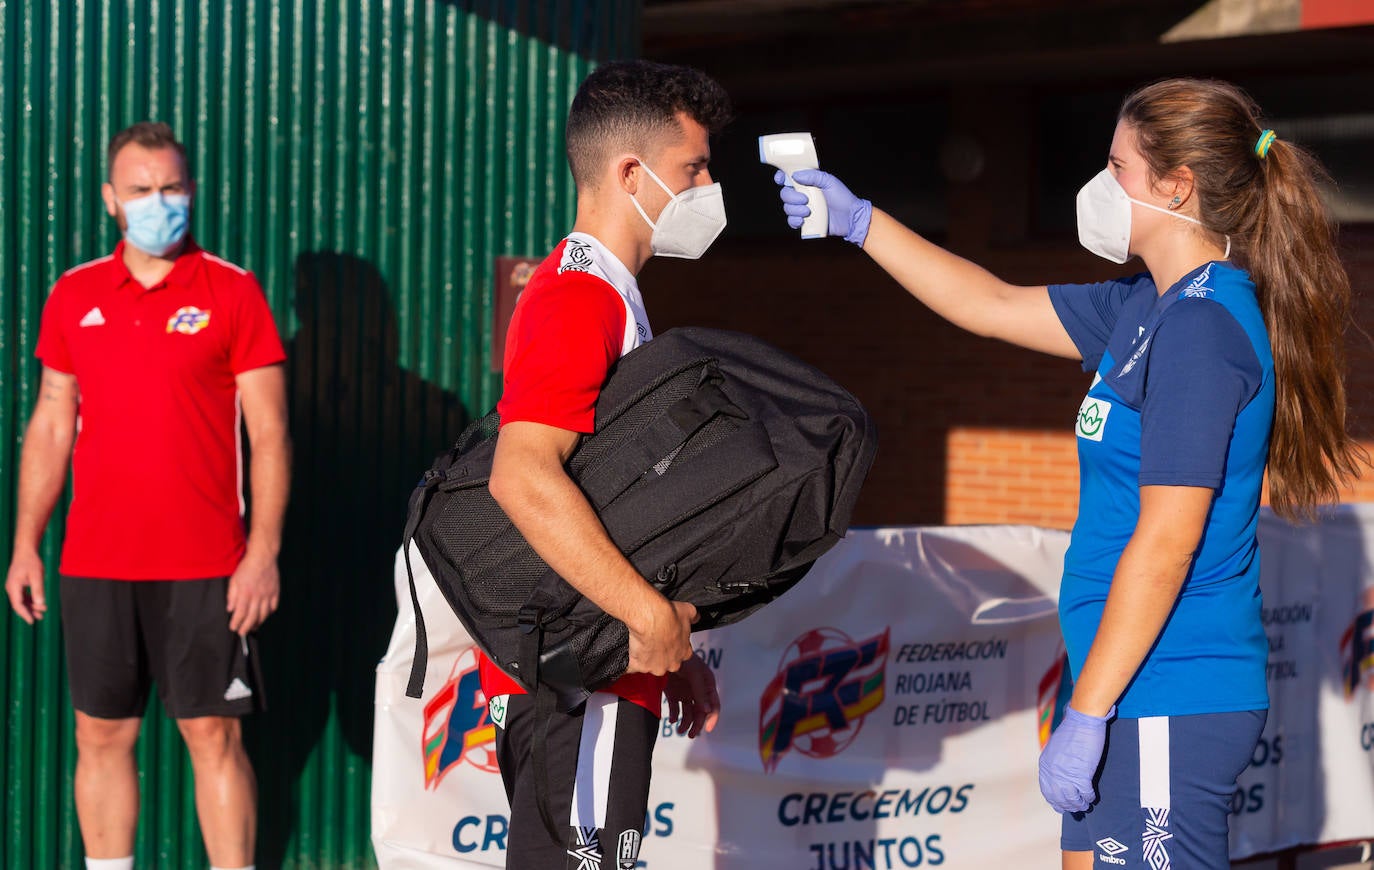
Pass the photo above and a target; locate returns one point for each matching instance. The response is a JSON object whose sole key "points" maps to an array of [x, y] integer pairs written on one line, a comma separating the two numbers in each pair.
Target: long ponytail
{"points": [[1264, 195], [1306, 304]]}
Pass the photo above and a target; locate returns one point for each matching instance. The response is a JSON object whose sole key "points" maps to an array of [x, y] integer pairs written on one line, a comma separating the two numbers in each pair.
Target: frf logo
{"points": [[1357, 653], [188, 320], [456, 726], [826, 684]]}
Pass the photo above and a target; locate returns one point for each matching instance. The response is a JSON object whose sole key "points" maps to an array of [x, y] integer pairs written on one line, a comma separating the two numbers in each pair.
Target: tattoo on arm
{"points": [[57, 388]]}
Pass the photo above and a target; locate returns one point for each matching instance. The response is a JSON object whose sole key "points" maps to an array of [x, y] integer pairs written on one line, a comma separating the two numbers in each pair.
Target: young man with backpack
{"points": [[638, 147]]}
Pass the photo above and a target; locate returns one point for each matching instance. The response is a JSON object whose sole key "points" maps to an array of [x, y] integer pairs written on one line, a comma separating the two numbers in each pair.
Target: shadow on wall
{"points": [[363, 430]]}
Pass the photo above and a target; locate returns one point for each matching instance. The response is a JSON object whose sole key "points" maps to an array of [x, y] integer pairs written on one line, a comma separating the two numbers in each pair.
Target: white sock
{"points": [[110, 863]]}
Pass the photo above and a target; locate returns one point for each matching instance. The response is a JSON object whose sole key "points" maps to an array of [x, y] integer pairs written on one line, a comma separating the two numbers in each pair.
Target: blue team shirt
{"points": [[1183, 396]]}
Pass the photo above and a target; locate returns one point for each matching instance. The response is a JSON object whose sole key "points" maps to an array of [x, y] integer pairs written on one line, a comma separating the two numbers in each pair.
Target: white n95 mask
{"points": [[1104, 218], [689, 223]]}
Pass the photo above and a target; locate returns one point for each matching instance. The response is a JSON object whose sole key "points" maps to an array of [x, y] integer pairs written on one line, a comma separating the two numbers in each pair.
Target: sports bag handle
{"points": [[657, 441]]}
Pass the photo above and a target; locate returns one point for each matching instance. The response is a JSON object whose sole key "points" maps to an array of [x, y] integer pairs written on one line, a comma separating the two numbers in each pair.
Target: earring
{"points": [[1175, 202]]}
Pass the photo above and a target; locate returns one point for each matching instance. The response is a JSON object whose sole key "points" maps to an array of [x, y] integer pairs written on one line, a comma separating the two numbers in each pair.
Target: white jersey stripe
{"points": [[88, 264], [238, 451], [1154, 762], [223, 262], [592, 786]]}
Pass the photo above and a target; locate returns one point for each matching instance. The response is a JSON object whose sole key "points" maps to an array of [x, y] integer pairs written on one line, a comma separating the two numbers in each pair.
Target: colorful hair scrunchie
{"points": [[1262, 144]]}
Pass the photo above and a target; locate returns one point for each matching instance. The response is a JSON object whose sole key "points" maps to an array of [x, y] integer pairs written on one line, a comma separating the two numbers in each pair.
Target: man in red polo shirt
{"points": [[153, 357], [638, 145]]}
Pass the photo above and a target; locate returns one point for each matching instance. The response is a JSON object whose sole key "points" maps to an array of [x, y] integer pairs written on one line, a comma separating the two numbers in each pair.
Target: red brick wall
{"points": [[1011, 476], [1358, 253]]}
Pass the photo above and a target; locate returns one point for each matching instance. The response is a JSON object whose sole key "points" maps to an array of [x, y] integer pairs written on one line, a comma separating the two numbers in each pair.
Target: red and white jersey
{"points": [[580, 252], [579, 312]]}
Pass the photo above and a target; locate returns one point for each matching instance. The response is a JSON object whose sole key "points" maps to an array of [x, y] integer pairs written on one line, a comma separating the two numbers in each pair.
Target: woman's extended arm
{"points": [[955, 288]]}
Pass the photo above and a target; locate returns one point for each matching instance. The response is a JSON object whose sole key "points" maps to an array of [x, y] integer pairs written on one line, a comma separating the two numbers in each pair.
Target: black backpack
{"points": [[721, 466]]}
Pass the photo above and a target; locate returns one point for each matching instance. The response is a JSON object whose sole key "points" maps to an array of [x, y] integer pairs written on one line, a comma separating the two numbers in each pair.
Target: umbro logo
{"points": [[237, 689], [1110, 849], [93, 318], [1110, 846]]}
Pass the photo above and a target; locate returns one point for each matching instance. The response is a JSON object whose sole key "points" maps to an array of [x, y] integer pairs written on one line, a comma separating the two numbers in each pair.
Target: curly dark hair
{"points": [[630, 105]]}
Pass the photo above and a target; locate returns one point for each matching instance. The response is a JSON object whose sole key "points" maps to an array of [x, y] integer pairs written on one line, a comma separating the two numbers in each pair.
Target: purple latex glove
{"points": [[1070, 760], [849, 215]]}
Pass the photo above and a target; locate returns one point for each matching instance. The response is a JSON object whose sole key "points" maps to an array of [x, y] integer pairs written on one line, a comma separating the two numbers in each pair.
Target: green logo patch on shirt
{"points": [[1092, 418], [496, 707]]}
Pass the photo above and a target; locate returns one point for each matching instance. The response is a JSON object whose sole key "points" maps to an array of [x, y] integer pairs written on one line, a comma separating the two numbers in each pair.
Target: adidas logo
{"points": [[237, 689], [93, 318]]}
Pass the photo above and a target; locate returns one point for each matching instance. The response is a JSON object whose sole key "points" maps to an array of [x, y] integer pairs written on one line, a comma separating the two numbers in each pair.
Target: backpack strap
{"points": [[555, 667], [545, 701], [419, 500], [540, 671]]}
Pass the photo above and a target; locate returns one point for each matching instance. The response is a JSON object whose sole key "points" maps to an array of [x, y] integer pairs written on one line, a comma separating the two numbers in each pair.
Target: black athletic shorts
{"points": [[121, 636], [599, 759]]}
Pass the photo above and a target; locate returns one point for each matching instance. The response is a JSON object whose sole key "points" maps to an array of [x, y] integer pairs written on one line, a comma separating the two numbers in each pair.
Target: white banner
{"points": [[1311, 778], [437, 799], [888, 713]]}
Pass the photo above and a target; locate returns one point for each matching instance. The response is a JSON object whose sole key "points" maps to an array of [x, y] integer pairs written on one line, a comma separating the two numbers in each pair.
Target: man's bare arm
{"points": [[43, 463], [529, 481], [255, 587]]}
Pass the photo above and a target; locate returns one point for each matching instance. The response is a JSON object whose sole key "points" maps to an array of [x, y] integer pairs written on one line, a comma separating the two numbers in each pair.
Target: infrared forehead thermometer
{"points": [[790, 152]]}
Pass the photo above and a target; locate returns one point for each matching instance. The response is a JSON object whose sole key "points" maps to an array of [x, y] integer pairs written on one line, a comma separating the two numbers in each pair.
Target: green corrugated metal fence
{"points": [[367, 159]]}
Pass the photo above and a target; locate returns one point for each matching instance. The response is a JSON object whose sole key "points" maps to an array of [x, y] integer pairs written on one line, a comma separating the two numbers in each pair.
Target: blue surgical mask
{"points": [[157, 223]]}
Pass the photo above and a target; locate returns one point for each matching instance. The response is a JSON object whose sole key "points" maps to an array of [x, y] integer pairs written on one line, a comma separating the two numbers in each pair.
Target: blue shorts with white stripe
{"points": [[1164, 792]]}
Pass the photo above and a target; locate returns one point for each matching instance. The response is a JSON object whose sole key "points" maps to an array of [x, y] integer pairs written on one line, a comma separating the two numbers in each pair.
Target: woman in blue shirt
{"points": [[1221, 359]]}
